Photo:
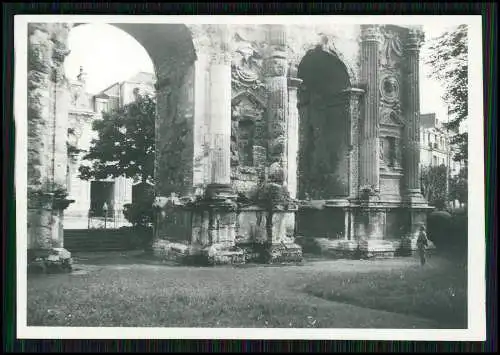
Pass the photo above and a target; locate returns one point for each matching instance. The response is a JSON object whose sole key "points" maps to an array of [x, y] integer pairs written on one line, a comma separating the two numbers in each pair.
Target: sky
{"points": [[110, 55]]}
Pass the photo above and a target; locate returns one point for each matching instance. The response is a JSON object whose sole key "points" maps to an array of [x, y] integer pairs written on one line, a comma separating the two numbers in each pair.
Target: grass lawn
{"points": [[116, 290]]}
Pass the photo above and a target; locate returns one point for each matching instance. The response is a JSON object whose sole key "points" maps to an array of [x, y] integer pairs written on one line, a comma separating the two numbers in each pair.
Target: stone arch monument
{"points": [[235, 103]]}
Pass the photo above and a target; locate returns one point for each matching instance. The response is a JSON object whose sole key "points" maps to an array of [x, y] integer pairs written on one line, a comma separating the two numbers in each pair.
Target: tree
{"points": [[459, 186], [125, 145], [449, 62], [434, 185]]}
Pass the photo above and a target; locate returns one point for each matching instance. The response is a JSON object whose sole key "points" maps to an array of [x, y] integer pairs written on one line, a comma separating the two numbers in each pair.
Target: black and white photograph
{"points": [[250, 177]]}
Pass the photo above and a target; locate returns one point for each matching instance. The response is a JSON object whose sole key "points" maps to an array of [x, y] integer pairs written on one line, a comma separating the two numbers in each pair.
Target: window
{"points": [[434, 160], [101, 192]]}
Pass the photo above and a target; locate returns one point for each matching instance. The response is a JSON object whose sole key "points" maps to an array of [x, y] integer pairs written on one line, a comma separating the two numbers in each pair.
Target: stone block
{"points": [[337, 248], [221, 254], [251, 226], [172, 251], [376, 249], [254, 252], [283, 253], [55, 260]]}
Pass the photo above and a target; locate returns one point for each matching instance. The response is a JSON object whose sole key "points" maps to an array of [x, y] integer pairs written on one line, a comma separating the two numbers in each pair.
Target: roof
{"points": [[428, 120], [101, 95], [142, 77]]}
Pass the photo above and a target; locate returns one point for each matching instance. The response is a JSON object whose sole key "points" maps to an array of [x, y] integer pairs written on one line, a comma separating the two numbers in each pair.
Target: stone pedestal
{"points": [[376, 249], [281, 247], [415, 217], [46, 251], [369, 223]]}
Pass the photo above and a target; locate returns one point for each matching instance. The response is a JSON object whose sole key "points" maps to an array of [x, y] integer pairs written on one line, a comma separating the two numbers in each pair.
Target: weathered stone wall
{"points": [[175, 133], [48, 101]]}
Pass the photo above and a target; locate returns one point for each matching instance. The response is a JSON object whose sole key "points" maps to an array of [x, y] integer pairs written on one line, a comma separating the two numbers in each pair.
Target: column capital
{"points": [[415, 39], [277, 35], [355, 92], [371, 33], [220, 57], [214, 44]]}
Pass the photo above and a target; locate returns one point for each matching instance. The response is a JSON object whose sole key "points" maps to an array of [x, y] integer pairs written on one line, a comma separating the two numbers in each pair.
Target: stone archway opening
{"points": [[100, 81], [323, 164], [171, 49]]}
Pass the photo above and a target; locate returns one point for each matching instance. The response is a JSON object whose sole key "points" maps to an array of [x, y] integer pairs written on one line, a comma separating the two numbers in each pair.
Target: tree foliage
{"points": [[449, 62], [434, 185], [125, 143], [459, 186]]}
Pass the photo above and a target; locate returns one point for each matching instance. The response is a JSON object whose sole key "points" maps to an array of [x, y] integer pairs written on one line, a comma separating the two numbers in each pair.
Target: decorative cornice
{"points": [[354, 91]]}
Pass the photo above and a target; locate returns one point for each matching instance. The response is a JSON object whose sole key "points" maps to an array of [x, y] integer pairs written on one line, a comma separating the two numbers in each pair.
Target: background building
{"points": [[91, 196], [435, 147]]}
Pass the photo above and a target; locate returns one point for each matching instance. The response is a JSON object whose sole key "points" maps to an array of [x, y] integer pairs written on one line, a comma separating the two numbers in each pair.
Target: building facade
{"points": [[435, 147], [329, 113], [97, 203]]}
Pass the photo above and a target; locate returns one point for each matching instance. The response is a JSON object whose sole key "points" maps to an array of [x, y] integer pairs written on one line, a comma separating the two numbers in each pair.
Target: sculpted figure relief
{"points": [[392, 48], [246, 65], [276, 66]]}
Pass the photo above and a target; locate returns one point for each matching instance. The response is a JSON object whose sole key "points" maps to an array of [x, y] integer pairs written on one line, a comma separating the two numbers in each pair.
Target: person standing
{"points": [[422, 243]]}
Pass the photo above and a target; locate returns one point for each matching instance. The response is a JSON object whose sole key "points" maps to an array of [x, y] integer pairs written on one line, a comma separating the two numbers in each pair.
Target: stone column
{"points": [[369, 155], [201, 169], [293, 130], [219, 70], [412, 127], [48, 102], [279, 121], [276, 83], [354, 96]]}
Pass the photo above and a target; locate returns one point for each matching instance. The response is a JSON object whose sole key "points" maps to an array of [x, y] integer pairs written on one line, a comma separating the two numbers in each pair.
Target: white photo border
{"points": [[476, 330]]}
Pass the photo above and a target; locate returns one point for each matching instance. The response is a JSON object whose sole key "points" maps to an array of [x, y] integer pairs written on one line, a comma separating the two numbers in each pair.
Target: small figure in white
{"points": [[422, 243]]}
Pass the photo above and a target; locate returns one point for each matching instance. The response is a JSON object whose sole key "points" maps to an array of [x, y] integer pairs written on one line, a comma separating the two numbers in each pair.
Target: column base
{"points": [[219, 192], [55, 260], [222, 254], [414, 197], [369, 223], [377, 249]]}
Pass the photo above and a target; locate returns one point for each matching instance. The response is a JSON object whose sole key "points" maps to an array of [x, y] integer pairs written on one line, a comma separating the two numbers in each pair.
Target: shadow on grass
{"points": [[437, 292]]}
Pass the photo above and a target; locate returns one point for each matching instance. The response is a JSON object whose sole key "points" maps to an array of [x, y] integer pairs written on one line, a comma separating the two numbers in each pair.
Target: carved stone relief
{"points": [[248, 103], [392, 48], [390, 140], [390, 117], [389, 89], [246, 65], [246, 129]]}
